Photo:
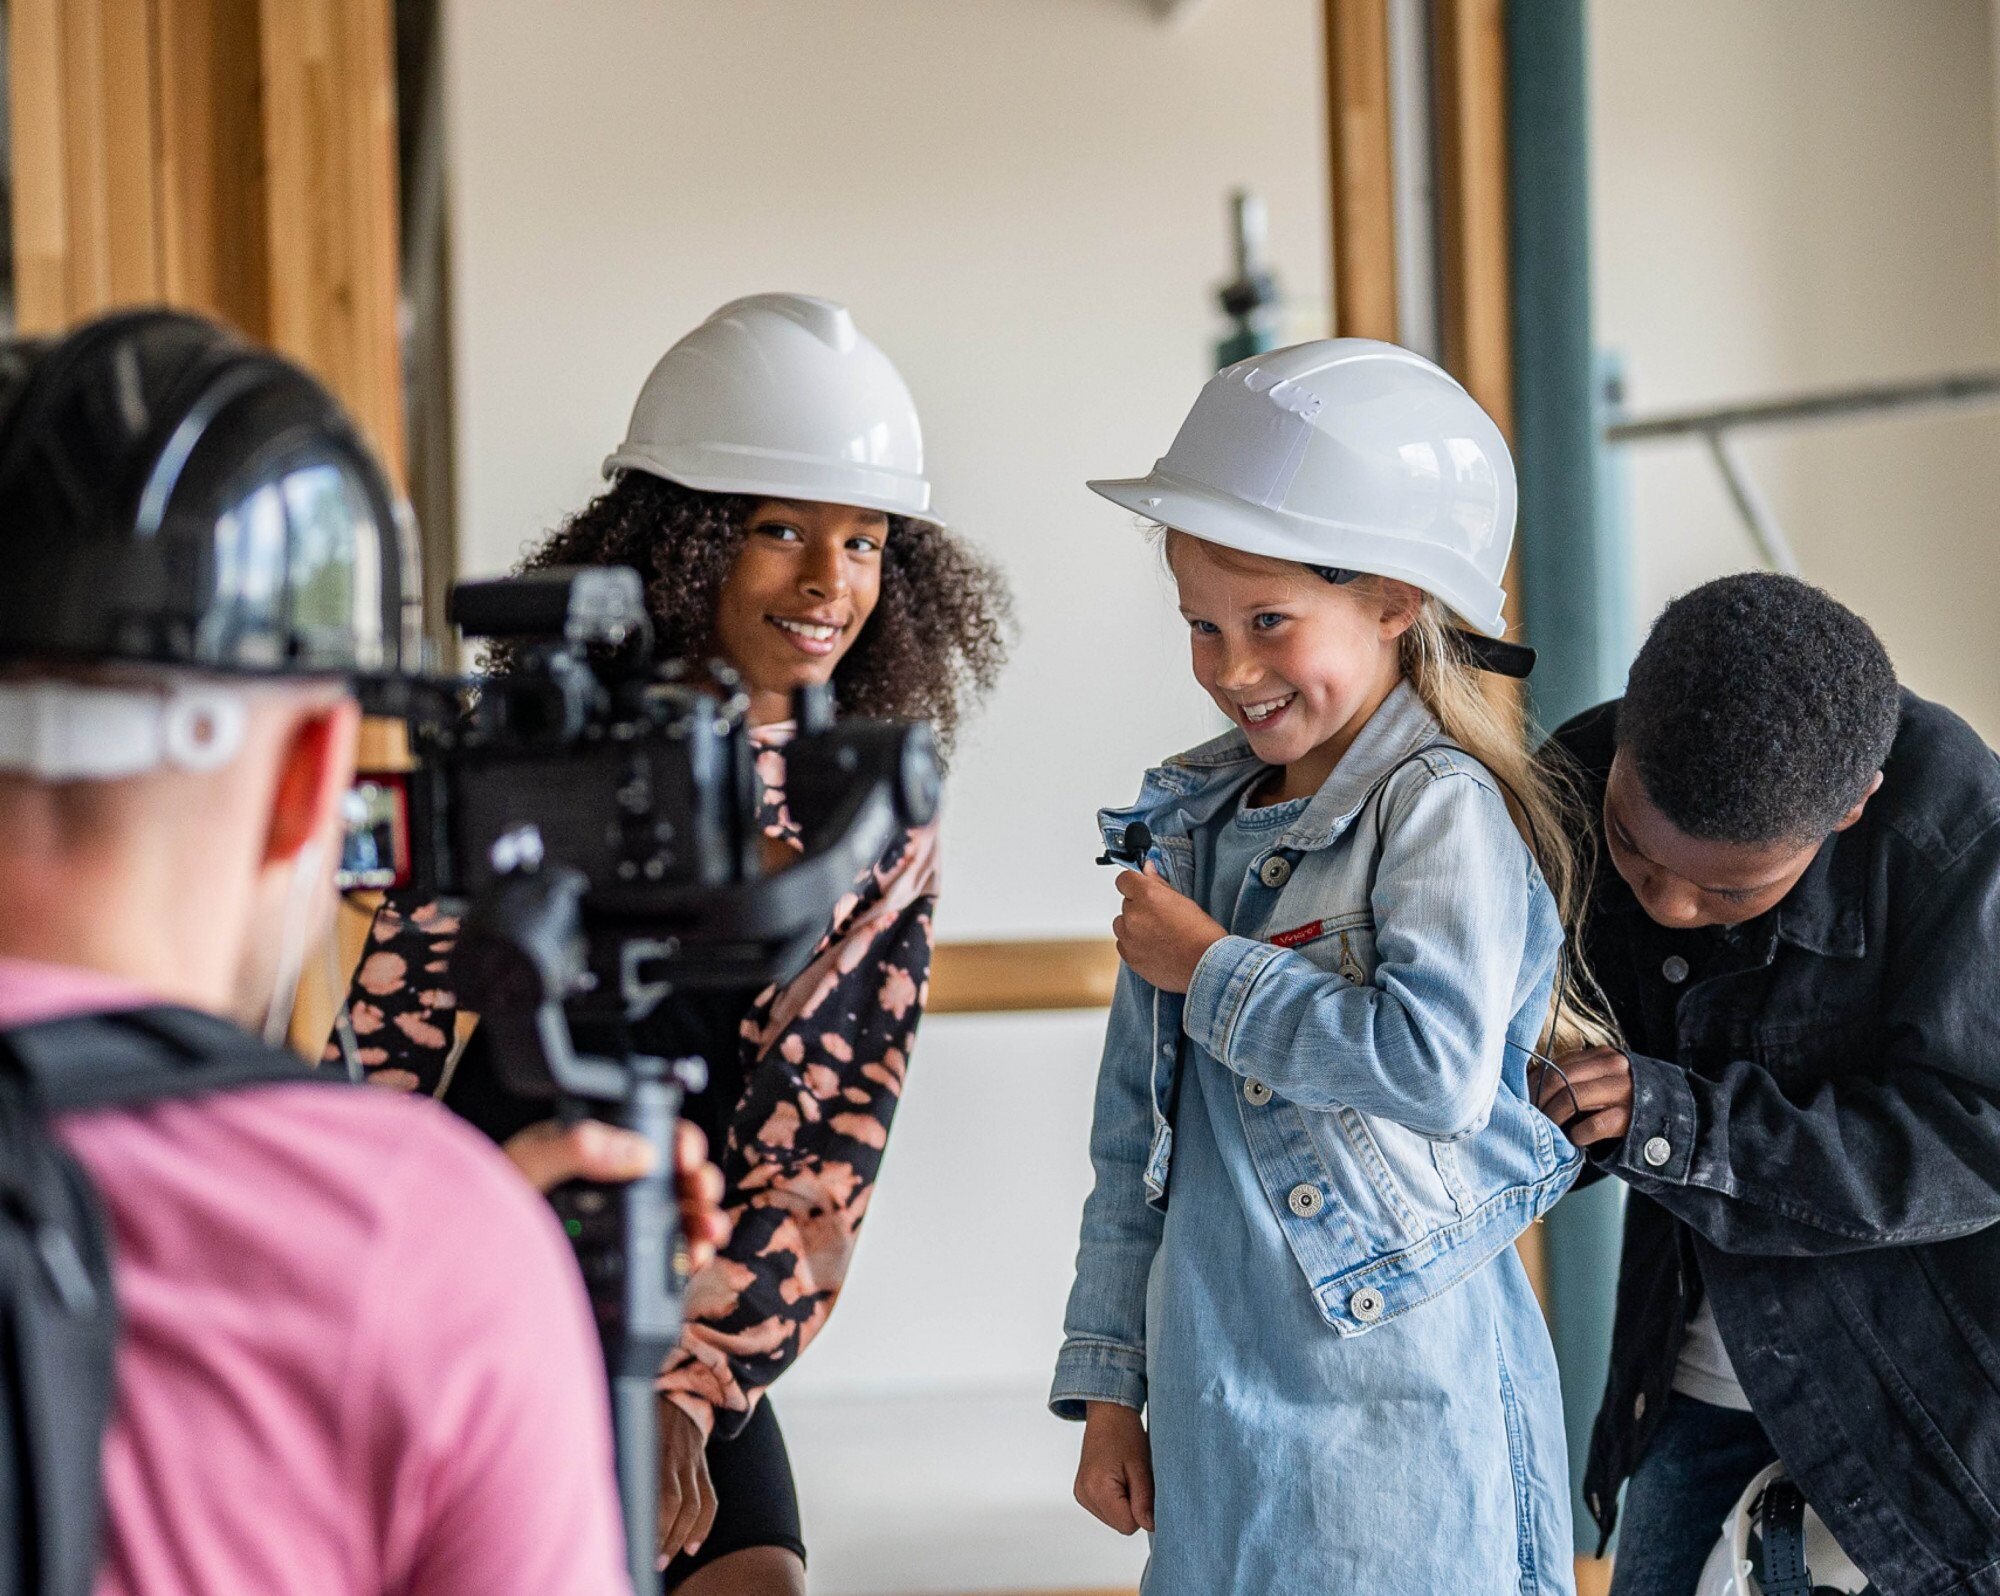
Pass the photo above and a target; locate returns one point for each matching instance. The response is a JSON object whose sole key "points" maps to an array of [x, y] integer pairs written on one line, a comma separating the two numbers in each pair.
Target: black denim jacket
{"points": [[1815, 1142]]}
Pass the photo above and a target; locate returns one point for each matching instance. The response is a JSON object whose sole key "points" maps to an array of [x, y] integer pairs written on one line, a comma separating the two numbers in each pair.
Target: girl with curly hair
{"points": [[771, 494]]}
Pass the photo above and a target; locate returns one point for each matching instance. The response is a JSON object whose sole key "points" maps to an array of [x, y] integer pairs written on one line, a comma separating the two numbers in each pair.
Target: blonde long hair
{"points": [[1541, 798]]}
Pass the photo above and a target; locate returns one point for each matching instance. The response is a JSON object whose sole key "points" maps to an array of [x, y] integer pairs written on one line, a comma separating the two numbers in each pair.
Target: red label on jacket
{"points": [[1302, 934]]}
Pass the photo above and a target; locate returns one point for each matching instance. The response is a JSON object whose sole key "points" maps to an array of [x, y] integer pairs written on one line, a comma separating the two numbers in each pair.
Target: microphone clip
{"points": [[1130, 852]]}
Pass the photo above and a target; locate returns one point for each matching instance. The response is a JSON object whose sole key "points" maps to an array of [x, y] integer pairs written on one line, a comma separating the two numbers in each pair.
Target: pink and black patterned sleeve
{"points": [[401, 1003], [824, 1057], [827, 1054]]}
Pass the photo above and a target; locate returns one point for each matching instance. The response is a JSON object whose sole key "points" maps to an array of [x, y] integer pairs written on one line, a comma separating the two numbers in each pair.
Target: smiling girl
{"points": [[770, 491], [1314, 1136]]}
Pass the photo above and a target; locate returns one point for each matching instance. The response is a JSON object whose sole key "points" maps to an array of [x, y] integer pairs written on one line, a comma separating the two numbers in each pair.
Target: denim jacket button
{"points": [[1366, 1304], [1305, 1200], [1675, 969], [1256, 1093], [1275, 871], [1657, 1151]]}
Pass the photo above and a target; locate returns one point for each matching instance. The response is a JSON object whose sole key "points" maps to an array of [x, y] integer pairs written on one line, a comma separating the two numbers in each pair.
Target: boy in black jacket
{"points": [[1796, 925]]}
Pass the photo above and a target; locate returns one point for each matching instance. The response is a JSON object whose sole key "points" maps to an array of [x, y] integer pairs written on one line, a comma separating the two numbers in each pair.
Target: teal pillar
{"points": [[1573, 569]]}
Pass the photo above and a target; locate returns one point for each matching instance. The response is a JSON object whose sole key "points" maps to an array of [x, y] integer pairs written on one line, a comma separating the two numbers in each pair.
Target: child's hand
{"points": [[1589, 1095], [1161, 935], [1115, 1479]]}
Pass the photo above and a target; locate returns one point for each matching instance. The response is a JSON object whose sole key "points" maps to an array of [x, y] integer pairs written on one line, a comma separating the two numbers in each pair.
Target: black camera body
{"points": [[641, 776], [596, 814]]}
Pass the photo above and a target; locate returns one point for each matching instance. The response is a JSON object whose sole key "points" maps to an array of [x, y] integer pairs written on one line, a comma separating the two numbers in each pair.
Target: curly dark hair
{"points": [[1758, 710], [931, 651]]}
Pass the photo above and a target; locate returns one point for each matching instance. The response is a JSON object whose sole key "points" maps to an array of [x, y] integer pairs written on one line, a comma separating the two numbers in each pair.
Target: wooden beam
{"points": [[1475, 301], [1011, 977], [85, 152], [1362, 169], [330, 158], [212, 181], [238, 158], [1469, 49]]}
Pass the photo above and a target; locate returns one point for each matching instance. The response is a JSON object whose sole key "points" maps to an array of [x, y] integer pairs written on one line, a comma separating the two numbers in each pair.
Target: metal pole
{"points": [[1572, 595], [1963, 389], [1717, 427], [1750, 504]]}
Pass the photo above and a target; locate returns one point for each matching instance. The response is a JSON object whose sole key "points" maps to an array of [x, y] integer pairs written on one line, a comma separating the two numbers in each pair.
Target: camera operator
{"points": [[327, 1380], [770, 492]]}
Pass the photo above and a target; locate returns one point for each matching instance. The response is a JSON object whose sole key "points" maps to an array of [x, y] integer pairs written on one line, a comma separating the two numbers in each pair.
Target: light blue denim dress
{"points": [[1297, 1257]]}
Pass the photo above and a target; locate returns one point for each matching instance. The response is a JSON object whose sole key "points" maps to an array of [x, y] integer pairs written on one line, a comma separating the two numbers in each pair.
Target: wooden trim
{"points": [[1469, 49], [1361, 168], [1012, 977], [1475, 300], [383, 747], [85, 150], [331, 221], [237, 157], [40, 192], [212, 178]]}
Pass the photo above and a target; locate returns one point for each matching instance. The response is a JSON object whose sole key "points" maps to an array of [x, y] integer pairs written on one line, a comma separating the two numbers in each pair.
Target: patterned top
{"points": [[822, 1063]]}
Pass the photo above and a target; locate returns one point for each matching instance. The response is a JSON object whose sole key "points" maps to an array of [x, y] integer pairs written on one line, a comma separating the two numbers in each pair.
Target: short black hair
{"points": [[1758, 710]]}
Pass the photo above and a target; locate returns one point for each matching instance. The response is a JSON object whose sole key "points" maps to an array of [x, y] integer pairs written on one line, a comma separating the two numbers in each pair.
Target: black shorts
{"points": [[756, 1503]]}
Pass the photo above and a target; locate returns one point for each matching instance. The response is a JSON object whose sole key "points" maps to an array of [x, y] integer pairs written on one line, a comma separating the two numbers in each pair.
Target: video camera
{"points": [[595, 812]]}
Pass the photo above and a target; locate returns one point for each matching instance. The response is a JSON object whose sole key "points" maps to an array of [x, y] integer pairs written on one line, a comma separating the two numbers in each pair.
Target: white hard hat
{"points": [[1348, 453], [778, 395], [1773, 1543]]}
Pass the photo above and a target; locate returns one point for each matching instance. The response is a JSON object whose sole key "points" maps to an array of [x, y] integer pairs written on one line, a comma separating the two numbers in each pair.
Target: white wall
{"points": [[1023, 201], [1797, 194]]}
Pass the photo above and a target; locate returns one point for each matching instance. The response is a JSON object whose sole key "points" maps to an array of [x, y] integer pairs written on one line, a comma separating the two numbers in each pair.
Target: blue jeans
{"points": [[1700, 1459]]}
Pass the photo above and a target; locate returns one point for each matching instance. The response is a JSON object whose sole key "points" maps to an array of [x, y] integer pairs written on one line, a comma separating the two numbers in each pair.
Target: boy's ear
{"points": [[1861, 803], [314, 773]]}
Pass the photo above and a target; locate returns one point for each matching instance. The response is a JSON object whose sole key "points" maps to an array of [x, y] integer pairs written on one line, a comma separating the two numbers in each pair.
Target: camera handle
{"points": [[634, 1266], [522, 958]]}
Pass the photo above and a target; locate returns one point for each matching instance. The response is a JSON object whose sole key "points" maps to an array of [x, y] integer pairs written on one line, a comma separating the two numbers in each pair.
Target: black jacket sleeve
{"points": [[1904, 1148]]}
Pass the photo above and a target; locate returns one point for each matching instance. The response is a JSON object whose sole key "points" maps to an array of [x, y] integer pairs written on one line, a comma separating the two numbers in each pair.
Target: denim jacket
{"points": [[1379, 1032]]}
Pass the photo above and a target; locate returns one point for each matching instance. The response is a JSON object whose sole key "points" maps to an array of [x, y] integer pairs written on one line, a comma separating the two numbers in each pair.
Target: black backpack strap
{"points": [[58, 1322], [136, 1056]]}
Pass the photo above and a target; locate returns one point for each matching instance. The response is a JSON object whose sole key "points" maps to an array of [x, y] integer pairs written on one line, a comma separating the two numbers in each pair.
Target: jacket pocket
{"points": [[1340, 945], [1444, 1157], [1403, 1173]]}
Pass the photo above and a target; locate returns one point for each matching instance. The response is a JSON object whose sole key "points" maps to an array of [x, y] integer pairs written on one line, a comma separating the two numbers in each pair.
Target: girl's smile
{"points": [[810, 635], [804, 584], [1298, 662], [1264, 713]]}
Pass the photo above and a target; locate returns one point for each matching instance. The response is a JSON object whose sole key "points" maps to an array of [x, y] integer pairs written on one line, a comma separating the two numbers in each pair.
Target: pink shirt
{"points": [[356, 1357]]}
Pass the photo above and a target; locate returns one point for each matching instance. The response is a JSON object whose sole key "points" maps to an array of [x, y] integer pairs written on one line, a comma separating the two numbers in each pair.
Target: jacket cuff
{"points": [[1091, 1370], [1221, 985], [1659, 1146]]}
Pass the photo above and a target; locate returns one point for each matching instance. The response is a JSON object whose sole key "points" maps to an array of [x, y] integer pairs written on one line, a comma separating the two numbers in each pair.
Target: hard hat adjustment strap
{"points": [[1491, 654], [72, 731], [1781, 1521], [1496, 655]]}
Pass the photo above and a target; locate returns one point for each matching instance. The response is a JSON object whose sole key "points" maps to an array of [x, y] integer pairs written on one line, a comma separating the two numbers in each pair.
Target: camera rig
{"points": [[595, 811]]}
